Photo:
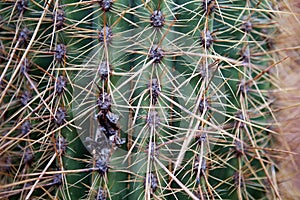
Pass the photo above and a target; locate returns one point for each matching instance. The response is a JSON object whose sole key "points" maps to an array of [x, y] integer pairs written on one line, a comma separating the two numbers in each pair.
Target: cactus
{"points": [[288, 112], [123, 99]]}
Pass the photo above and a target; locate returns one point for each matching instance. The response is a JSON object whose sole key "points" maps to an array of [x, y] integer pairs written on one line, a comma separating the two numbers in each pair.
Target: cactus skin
{"points": [[186, 83]]}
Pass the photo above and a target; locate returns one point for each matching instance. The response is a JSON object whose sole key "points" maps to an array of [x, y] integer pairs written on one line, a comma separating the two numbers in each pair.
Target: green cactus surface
{"points": [[137, 99]]}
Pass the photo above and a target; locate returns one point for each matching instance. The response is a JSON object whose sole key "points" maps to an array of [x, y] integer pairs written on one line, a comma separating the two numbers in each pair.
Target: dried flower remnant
{"points": [[108, 130], [108, 123], [104, 102], [157, 19], [112, 118], [117, 140], [111, 125]]}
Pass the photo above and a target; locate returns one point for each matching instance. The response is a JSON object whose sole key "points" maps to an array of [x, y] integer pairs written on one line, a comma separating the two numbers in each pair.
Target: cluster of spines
{"points": [[155, 81], [41, 111], [107, 119], [210, 40], [243, 131]]}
